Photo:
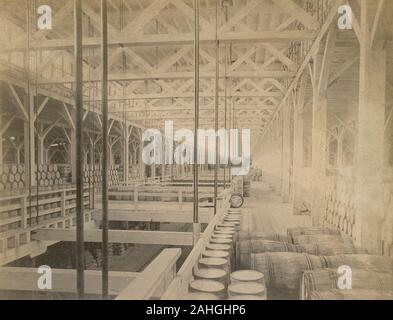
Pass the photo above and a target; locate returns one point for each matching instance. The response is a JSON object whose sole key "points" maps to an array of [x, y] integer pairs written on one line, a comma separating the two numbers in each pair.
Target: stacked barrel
{"points": [[215, 276], [93, 174], [12, 177], [216, 263], [308, 263], [48, 175]]}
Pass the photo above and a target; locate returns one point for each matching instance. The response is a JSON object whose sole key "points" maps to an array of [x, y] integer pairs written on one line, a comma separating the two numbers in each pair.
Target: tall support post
{"points": [[369, 155], [72, 157], [321, 70], [1, 125], [126, 153], [140, 159], [298, 148], [104, 92], [80, 246], [216, 104], [40, 143], [196, 224], [340, 147], [286, 150], [318, 158], [29, 143], [2, 105]]}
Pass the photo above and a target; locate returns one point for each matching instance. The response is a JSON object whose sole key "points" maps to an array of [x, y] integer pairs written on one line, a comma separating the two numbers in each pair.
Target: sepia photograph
{"points": [[196, 150]]}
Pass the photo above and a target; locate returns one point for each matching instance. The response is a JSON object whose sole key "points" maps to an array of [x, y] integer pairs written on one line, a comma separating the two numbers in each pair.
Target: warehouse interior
{"points": [[92, 90]]}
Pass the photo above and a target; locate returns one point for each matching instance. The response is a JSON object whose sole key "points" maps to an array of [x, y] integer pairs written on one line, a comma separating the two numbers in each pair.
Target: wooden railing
{"points": [[152, 282], [23, 213]]}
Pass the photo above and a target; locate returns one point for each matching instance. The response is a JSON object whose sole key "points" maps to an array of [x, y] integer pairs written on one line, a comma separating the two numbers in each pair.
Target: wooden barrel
{"points": [[216, 254], [209, 263], [226, 232], [21, 168], [227, 225], [220, 255], [351, 295], [199, 296], [246, 297], [284, 270], [226, 229], [247, 288], [332, 248], [222, 236], [326, 279], [247, 276], [208, 286], [320, 238], [217, 246], [233, 216], [361, 261], [246, 247], [294, 232], [219, 275], [221, 241], [244, 235]]}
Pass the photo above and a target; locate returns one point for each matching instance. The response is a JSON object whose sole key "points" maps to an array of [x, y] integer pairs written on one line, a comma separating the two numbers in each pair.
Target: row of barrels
{"points": [[214, 276], [12, 177], [307, 260], [95, 175]]}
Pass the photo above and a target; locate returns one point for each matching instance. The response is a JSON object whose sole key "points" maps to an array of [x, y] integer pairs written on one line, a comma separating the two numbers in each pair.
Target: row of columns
{"points": [[369, 149]]}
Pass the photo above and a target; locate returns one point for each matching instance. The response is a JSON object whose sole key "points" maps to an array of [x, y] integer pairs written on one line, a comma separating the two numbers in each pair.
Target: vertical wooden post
{"points": [[126, 152], [340, 147], [63, 203], [286, 152], [196, 224], [1, 131], [141, 164], [322, 62], [29, 137], [23, 208], [80, 247], [369, 155], [73, 162], [105, 148], [298, 148], [318, 159], [40, 143]]}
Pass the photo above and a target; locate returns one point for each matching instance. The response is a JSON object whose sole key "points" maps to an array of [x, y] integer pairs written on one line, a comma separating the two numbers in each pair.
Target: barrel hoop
{"points": [[308, 260], [324, 262]]}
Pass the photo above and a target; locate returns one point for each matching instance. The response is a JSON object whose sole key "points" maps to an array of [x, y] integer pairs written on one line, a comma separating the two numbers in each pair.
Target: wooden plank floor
{"points": [[264, 211]]}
